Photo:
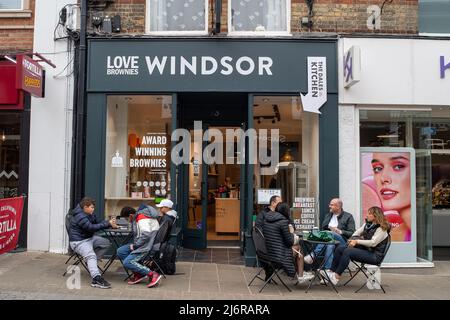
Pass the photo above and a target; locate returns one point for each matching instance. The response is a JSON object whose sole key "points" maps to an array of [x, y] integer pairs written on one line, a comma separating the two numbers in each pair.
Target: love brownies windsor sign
{"points": [[29, 76]]}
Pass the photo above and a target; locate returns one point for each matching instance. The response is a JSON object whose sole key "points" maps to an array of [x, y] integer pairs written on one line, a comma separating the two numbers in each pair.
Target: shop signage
{"points": [[444, 67], [10, 219], [190, 65], [352, 66], [29, 76], [317, 85], [304, 213]]}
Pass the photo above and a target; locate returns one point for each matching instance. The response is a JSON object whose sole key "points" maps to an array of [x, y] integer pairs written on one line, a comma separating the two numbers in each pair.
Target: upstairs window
{"points": [[434, 17], [177, 17], [11, 4], [259, 17]]}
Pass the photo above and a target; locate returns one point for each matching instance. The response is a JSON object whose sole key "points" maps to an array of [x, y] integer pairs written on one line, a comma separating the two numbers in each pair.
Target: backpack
{"points": [[167, 257]]}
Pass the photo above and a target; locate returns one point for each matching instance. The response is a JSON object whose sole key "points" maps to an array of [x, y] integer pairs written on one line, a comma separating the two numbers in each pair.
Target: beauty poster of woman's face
{"points": [[386, 183]]}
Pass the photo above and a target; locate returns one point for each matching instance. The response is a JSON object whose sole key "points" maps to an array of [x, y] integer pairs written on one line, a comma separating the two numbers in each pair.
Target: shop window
{"points": [[434, 17], [259, 17], [137, 150], [177, 17], [11, 4], [390, 129], [9, 154], [296, 171], [439, 142]]}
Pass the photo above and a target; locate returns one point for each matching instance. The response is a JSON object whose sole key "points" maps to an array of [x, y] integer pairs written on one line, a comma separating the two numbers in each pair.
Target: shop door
{"points": [[195, 184]]}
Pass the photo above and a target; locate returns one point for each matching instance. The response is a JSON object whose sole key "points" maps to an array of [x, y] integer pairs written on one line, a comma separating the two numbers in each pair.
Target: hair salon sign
{"points": [[10, 218]]}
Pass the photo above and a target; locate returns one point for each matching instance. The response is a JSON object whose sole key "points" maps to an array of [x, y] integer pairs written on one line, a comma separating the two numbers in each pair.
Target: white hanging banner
{"points": [[317, 85]]}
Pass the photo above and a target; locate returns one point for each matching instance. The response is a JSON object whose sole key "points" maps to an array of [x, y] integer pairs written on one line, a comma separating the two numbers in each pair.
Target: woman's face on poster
{"points": [[391, 173]]}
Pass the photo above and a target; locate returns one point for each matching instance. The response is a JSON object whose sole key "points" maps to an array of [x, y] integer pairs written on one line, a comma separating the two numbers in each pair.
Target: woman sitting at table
{"points": [[366, 245], [302, 277], [280, 239], [144, 226]]}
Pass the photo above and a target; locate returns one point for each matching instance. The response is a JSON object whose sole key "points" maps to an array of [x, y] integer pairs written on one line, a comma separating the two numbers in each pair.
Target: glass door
{"points": [[196, 198]]}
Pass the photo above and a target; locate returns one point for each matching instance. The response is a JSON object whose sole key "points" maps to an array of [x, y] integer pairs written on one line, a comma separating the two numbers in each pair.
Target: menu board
{"points": [[304, 213], [264, 195]]}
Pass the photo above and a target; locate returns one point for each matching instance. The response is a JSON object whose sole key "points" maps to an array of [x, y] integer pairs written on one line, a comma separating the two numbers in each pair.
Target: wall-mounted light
{"points": [[3, 136]]}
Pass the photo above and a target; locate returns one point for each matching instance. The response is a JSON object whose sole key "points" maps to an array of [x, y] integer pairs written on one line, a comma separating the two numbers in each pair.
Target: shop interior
{"points": [[294, 176]]}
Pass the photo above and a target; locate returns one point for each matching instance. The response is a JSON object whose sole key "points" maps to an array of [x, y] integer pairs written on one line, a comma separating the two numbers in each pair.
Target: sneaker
{"points": [[333, 279], [308, 259], [99, 282], [326, 273], [305, 278], [324, 281], [155, 279], [137, 277]]}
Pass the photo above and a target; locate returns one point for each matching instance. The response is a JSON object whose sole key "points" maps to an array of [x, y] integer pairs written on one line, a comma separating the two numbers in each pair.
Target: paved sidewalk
{"points": [[36, 275]]}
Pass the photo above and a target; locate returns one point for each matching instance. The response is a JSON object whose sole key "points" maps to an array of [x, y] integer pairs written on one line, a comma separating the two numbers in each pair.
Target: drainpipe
{"points": [[218, 15], [78, 150]]}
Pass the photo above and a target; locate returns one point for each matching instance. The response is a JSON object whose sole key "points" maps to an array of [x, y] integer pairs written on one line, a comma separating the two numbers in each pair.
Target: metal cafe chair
{"points": [[363, 267], [261, 254]]}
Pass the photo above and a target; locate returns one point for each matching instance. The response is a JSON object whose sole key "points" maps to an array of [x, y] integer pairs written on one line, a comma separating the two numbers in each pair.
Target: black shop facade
{"points": [[217, 126]]}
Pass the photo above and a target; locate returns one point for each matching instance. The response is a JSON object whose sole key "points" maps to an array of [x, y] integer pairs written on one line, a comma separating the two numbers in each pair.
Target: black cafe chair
{"points": [[261, 255], [362, 267]]}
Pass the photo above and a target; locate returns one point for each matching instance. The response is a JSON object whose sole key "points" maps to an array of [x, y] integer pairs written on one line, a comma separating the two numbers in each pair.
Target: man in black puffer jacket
{"points": [[82, 240], [279, 240]]}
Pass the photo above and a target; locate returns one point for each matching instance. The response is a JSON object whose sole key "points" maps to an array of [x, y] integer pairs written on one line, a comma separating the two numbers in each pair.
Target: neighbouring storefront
{"points": [[141, 91], [394, 129], [20, 76]]}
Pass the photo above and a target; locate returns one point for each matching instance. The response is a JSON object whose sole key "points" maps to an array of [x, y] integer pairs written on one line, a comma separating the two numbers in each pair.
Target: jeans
{"points": [[91, 249], [328, 256], [343, 255], [131, 261]]}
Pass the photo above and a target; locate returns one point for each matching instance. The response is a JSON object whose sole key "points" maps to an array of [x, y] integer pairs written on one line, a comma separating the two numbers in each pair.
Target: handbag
{"points": [[322, 236]]}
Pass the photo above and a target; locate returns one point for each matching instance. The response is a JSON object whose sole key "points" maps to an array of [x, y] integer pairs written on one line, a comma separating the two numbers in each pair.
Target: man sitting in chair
{"points": [[166, 212], [144, 226], [341, 225], [82, 240]]}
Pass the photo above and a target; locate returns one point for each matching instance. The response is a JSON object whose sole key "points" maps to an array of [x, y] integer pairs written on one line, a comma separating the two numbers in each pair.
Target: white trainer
{"points": [[308, 259]]}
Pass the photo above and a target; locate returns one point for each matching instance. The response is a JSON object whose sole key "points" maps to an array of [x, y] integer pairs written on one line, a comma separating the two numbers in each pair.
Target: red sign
{"points": [[10, 219], [29, 76]]}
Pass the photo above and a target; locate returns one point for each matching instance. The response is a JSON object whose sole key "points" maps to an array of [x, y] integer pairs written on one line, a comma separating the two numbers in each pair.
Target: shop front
{"points": [[394, 113], [20, 77], [216, 125]]}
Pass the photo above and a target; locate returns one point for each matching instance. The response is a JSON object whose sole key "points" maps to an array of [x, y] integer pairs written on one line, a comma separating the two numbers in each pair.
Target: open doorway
{"points": [[222, 184]]}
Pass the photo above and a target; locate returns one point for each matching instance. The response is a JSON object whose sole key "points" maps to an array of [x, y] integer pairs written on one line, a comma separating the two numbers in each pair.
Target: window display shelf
{"points": [[128, 198], [440, 151]]}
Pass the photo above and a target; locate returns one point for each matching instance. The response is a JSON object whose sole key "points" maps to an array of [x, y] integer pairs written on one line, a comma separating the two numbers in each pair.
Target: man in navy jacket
{"points": [[82, 240]]}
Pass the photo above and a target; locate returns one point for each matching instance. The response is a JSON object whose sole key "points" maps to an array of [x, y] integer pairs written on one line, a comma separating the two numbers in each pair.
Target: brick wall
{"points": [[17, 29], [340, 16]]}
